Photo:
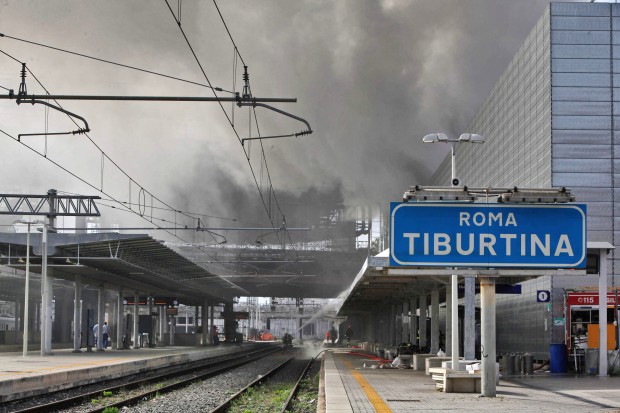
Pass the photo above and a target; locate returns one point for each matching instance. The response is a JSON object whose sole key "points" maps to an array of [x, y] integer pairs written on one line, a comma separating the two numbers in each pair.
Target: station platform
{"points": [[348, 386], [34, 374]]}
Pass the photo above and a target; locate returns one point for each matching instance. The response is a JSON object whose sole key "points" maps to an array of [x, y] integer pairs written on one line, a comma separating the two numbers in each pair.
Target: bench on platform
{"points": [[418, 361], [450, 381], [436, 361]]}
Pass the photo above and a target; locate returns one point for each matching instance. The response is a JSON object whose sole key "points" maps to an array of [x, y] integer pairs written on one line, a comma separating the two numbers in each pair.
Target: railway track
{"points": [[170, 380], [297, 371]]}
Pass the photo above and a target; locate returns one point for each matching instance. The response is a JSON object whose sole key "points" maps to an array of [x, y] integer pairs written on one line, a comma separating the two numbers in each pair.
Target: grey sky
{"points": [[372, 77]]}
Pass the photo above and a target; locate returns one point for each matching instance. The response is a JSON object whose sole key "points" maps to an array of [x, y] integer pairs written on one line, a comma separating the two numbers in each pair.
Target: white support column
{"points": [[455, 321], [77, 315], [44, 292], [391, 323], [120, 317], [162, 324], [173, 328], [49, 314], [602, 313], [205, 322], [136, 315], [422, 320], [469, 322], [488, 344], [100, 318], [150, 300], [434, 321], [367, 334], [448, 342], [414, 321], [405, 325], [26, 320], [398, 324], [211, 323]]}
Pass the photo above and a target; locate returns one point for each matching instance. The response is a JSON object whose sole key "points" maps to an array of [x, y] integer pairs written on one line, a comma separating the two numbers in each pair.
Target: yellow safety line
{"points": [[373, 396]]}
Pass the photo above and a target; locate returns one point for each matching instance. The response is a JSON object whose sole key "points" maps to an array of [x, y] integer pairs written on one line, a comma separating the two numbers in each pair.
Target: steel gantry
{"points": [[50, 205]]}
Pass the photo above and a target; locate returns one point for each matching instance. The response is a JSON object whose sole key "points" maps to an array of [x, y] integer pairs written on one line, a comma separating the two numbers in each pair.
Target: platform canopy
{"points": [[136, 263], [378, 284]]}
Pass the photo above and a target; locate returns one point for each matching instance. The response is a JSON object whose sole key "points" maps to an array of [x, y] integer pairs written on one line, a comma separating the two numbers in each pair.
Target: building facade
{"points": [[550, 121]]}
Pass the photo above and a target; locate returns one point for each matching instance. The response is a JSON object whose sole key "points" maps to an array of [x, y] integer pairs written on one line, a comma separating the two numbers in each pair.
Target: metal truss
{"points": [[50, 205]]}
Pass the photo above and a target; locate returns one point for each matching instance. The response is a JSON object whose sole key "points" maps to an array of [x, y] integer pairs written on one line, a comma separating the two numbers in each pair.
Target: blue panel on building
{"points": [[488, 235]]}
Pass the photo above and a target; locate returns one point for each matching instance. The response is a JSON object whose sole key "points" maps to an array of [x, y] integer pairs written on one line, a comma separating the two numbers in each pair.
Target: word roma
{"points": [[524, 244]]}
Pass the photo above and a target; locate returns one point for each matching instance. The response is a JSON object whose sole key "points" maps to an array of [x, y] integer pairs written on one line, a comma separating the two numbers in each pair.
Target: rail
{"points": [[211, 368]]}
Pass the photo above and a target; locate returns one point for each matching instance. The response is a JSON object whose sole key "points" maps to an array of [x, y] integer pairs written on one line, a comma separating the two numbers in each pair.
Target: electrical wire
{"points": [[128, 210], [195, 214], [228, 31], [264, 156], [219, 89], [192, 214], [193, 227], [237, 53], [103, 154], [231, 122], [6, 54], [171, 77], [223, 110]]}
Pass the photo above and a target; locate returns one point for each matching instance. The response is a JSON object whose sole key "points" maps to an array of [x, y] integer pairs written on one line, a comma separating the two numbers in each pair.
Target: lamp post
{"points": [[469, 281], [443, 138], [26, 291]]}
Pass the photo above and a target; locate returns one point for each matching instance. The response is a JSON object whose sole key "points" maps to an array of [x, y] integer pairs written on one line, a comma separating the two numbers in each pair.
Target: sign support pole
{"points": [[454, 282], [469, 325], [488, 349], [602, 313], [455, 322]]}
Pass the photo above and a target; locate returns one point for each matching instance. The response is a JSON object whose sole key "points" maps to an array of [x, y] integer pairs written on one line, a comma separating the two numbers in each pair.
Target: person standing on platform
{"points": [[104, 333], [215, 335]]}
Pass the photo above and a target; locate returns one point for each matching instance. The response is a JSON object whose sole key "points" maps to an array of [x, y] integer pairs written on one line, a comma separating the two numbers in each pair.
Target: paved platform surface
{"points": [[350, 387], [26, 376]]}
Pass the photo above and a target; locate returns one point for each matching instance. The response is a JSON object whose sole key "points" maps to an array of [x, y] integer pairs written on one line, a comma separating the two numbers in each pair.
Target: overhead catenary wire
{"points": [[224, 111], [219, 89], [195, 214], [131, 67], [231, 122], [109, 195], [228, 31], [105, 193], [264, 157], [259, 187], [151, 218], [104, 156]]}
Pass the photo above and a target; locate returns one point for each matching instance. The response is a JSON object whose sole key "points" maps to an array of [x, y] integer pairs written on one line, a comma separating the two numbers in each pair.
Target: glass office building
{"points": [[550, 121]]}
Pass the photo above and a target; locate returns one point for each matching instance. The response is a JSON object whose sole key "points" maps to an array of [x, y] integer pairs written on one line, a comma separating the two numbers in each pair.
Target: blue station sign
{"points": [[488, 235]]}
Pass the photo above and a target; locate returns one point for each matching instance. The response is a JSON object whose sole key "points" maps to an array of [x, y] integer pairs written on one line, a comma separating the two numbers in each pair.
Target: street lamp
{"points": [[443, 138], [26, 291], [470, 286]]}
